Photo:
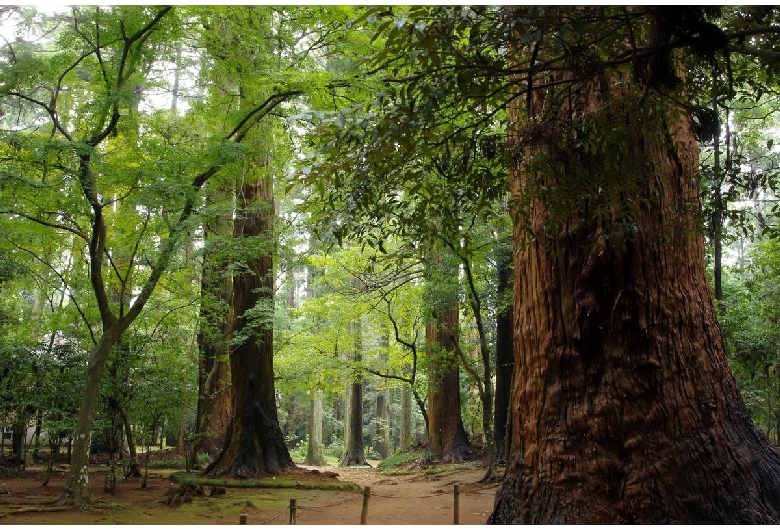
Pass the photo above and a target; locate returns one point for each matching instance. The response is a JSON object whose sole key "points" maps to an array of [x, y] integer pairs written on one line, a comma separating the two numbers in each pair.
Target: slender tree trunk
{"points": [[382, 441], [624, 407], [405, 435], [718, 206], [134, 469], [76, 490], [255, 443], [504, 355], [314, 456]]}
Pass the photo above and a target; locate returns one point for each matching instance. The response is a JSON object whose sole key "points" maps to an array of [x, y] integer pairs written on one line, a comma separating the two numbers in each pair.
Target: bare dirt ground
{"points": [[418, 496]]}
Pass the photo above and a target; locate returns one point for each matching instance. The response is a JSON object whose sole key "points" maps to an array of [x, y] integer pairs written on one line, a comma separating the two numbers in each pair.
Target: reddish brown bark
{"points": [[214, 403], [214, 392], [446, 433], [624, 409], [254, 444], [354, 454]]}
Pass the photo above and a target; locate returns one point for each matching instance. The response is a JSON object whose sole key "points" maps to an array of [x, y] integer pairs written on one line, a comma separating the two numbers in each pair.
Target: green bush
{"points": [[400, 459]]}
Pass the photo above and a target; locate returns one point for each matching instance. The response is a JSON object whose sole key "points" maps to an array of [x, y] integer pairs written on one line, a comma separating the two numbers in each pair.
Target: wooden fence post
{"points": [[456, 515], [293, 510], [242, 518], [364, 513]]}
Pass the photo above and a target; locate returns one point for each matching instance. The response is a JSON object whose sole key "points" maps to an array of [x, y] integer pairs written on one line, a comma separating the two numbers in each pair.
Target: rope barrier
{"points": [[367, 493], [404, 497], [275, 516]]}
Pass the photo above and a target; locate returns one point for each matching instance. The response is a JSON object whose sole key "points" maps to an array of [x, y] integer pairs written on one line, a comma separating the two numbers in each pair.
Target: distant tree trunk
{"points": [[314, 456], [354, 454], [624, 407], [446, 433], [134, 469], [718, 205], [382, 442], [254, 445], [18, 431], [405, 427], [504, 354]]}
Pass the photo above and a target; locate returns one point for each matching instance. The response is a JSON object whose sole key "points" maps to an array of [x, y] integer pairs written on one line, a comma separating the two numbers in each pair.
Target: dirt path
{"points": [[419, 498], [422, 497]]}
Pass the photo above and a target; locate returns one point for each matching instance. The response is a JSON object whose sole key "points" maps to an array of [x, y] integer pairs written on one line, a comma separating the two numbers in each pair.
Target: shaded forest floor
{"points": [[410, 494]]}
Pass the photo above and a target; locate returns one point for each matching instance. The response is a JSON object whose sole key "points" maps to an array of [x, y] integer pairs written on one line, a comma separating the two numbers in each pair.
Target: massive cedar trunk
{"points": [[254, 443], [624, 410]]}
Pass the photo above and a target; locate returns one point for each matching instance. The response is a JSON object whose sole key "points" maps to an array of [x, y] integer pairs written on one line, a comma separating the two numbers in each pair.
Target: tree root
{"points": [[34, 509]]}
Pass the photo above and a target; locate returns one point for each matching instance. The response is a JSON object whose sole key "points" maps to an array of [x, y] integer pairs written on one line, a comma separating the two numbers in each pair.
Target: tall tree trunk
{"points": [[504, 354], [382, 441], [214, 334], [405, 428], [255, 444], [445, 422], [354, 454], [718, 203], [624, 407], [314, 456], [76, 491], [446, 433], [134, 469]]}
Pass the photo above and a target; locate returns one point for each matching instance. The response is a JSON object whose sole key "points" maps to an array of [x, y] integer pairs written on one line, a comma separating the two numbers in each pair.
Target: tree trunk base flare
{"points": [[490, 474], [133, 470], [253, 450], [457, 452], [354, 461], [74, 499]]}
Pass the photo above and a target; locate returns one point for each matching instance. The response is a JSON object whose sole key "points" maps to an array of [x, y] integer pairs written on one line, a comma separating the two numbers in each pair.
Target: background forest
{"points": [[181, 184]]}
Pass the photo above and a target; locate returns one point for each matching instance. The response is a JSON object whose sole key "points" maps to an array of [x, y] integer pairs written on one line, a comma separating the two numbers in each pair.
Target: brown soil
{"points": [[411, 496]]}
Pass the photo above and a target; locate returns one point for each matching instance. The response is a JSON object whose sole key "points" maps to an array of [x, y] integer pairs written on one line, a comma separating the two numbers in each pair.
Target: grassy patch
{"points": [[399, 460], [173, 463]]}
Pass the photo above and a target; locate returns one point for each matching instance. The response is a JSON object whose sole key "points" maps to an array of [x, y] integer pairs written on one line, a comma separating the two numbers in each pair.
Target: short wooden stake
{"points": [[242, 518], [456, 515], [364, 513], [293, 510]]}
